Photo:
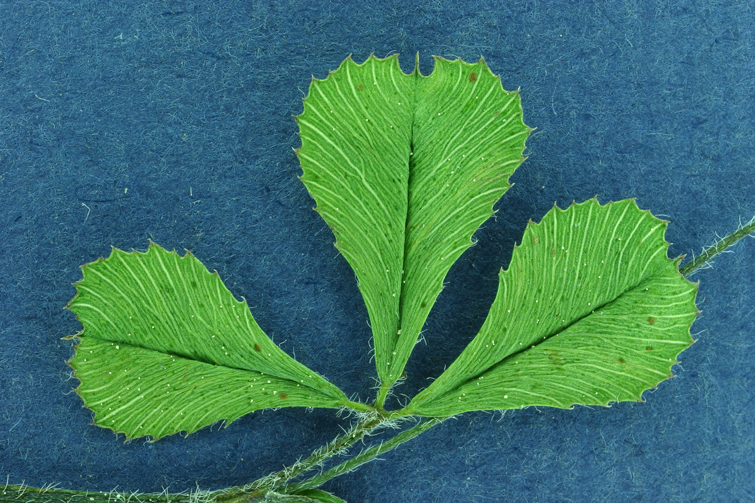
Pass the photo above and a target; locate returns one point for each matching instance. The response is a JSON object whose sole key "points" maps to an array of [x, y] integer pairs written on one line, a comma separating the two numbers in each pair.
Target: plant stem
{"points": [[50, 494], [373, 418], [708, 254], [337, 446], [365, 456]]}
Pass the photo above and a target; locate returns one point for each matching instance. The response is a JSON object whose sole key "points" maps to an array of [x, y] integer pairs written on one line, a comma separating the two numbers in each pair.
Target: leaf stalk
{"points": [[721, 246], [366, 456]]}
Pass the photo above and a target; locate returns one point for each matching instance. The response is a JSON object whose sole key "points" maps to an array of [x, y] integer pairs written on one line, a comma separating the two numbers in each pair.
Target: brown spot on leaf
{"points": [[283, 396], [472, 76], [651, 320], [554, 357], [257, 347]]}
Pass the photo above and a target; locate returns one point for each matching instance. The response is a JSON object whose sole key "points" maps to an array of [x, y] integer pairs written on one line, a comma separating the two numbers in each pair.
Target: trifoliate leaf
{"points": [[167, 348], [590, 311], [404, 169]]}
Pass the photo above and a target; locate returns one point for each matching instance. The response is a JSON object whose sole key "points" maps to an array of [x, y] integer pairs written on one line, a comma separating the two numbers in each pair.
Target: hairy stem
{"points": [[337, 446], [50, 494], [366, 456], [709, 253], [371, 421]]}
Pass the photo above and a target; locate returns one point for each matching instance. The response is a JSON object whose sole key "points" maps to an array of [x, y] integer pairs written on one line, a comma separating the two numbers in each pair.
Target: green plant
{"points": [[404, 169]]}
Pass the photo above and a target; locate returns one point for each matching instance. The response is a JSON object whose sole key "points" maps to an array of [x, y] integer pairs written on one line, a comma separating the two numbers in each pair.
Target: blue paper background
{"points": [[123, 121]]}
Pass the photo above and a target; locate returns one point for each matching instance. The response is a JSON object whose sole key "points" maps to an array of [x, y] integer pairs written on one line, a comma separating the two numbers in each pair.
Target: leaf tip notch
{"points": [[404, 170]]}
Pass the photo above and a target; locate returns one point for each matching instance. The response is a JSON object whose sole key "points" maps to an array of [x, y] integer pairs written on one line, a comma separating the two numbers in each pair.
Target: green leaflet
{"points": [[404, 169], [590, 311], [167, 348]]}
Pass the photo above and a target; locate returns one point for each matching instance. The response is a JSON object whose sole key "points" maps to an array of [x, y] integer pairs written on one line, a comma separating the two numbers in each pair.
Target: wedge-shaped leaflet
{"points": [[590, 311], [404, 169], [167, 348]]}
